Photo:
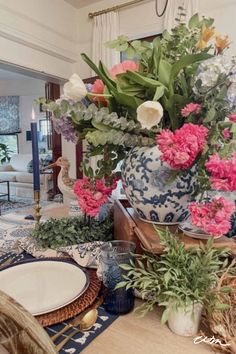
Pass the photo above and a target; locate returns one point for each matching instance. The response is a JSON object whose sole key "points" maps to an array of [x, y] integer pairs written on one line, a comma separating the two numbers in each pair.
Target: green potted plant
{"points": [[4, 153], [180, 279]]}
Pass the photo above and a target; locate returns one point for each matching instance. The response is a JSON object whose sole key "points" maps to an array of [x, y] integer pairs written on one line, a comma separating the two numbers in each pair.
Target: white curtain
{"points": [[105, 28], [172, 12]]}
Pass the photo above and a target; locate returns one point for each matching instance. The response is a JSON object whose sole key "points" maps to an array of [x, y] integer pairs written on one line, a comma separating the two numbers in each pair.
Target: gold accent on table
{"points": [[114, 8], [77, 320], [87, 322], [37, 207]]}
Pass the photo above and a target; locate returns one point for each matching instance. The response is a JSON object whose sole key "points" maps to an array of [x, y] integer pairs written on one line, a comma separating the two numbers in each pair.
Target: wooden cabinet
{"points": [[129, 227]]}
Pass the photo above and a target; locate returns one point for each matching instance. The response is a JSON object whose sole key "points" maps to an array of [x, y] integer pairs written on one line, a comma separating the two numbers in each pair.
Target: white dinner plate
{"points": [[43, 286]]}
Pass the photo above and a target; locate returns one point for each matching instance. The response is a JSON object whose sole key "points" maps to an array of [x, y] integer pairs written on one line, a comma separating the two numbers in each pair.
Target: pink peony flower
{"points": [[98, 87], [232, 117], [226, 133], [123, 67], [223, 172], [213, 217], [180, 149], [92, 194], [191, 108]]}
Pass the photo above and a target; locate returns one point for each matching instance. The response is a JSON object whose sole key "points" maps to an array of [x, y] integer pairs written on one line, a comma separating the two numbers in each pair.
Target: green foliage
{"points": [[102, 128], [166, 68], [4, 153], [178, 277], [63, 232]]}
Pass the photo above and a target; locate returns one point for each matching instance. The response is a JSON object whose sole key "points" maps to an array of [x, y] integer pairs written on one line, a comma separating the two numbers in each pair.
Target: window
{"points": [[45, 127], [11, 141]]}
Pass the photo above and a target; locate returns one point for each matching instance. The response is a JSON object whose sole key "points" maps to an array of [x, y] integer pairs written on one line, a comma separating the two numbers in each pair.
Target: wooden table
{"points": [[128, 226], [129, 333]]}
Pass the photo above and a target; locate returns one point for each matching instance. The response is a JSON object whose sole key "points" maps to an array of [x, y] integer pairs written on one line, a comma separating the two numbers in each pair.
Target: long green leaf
{"points": [[171, 105], [164, 72], [156, 56], [186, 61], [143, 80], [101, 74], [127, 100], [159, 93], [103, 69]]}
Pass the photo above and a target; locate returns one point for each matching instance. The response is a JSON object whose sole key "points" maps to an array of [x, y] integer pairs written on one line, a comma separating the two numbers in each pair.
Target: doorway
{"points": [[19, 87]]}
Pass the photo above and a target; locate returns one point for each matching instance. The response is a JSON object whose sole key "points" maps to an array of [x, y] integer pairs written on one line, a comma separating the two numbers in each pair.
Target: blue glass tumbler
{"points": [[113, 254]]}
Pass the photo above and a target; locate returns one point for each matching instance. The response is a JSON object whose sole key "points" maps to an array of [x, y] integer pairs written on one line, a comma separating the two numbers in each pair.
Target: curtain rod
{"points": [[114, 8]]}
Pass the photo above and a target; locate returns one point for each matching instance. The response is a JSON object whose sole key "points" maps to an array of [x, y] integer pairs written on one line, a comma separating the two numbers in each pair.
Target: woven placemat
{"points": [[76, 307]]}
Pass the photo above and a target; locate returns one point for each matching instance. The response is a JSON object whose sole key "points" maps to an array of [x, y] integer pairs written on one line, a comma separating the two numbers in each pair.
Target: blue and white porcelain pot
{"points": [[145, 182]]}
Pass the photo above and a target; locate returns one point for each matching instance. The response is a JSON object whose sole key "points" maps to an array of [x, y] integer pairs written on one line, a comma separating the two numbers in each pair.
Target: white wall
{"points": [[39, 34], [22, 87], [224, 14]]}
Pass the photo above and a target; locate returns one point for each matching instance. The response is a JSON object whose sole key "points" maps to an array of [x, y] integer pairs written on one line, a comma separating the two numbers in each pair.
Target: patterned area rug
{"points": [[19, 203]]}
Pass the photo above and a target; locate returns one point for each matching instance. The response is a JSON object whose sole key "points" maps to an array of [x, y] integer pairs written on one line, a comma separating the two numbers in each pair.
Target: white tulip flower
{"points": [[75, 89], [149, 114]]}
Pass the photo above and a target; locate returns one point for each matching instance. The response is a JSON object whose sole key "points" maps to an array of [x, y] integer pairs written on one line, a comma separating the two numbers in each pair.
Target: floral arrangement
{"points": [[180, 94]]}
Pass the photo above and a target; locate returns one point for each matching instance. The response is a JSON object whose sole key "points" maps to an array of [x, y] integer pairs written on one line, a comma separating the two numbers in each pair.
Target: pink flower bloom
{"points": [[92, 194], [191, 108], [123, 67], [98, 87], [213, 217], [232, 117], [180, 149], [226, 133], [223, 172]]}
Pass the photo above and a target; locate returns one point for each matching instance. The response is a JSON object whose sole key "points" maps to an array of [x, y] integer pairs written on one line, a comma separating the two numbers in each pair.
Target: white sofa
{"points": [[21, 181]]}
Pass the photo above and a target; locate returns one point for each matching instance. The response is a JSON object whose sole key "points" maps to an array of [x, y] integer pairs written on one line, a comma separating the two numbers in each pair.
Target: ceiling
{"points": [[81, 3]]}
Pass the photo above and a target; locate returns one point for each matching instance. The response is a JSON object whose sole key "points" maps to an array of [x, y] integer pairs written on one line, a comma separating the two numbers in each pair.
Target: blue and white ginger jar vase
{"points": [[145, 182]]}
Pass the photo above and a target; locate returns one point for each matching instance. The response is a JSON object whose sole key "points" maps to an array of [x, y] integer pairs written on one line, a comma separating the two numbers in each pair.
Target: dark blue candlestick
{"points": [[35, 152]]}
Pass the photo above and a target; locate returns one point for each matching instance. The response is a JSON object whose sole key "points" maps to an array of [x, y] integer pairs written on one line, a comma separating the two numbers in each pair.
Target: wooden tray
{"points": [[128, 226]]}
